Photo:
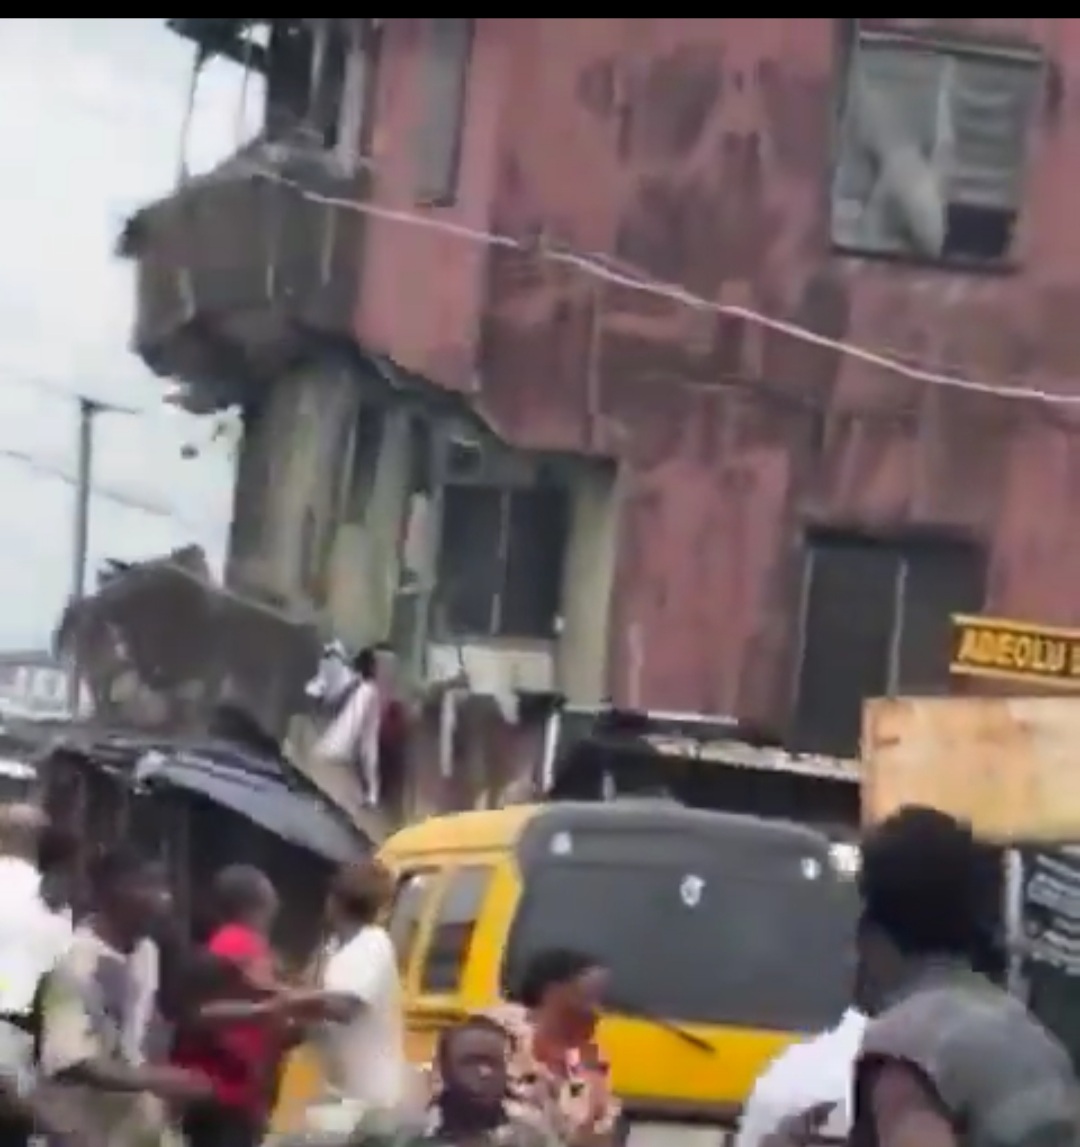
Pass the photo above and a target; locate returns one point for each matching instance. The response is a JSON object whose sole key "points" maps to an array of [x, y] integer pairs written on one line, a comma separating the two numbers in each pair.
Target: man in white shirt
{"points": [[362, 1032], [32, 940], [352, 737], [811, 1079], [32, 936]]}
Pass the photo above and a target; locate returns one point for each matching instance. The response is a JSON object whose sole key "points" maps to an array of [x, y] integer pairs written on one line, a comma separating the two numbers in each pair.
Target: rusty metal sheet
{"points": [[1007, 765]]}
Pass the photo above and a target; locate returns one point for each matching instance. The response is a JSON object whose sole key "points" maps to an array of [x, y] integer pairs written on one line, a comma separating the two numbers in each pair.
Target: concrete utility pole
{"points": [[80, 543], [81, 524], [89, 409]]}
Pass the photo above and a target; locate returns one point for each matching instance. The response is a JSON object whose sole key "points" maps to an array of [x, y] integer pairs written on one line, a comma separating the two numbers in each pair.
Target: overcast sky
{"points": [[90, 115]]}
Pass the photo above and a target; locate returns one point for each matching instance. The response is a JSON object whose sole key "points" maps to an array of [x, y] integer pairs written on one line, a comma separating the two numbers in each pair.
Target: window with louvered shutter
{"points": [[932, 149]]}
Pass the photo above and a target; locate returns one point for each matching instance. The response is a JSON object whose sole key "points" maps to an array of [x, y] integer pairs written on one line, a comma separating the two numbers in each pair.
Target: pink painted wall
{"points": [[698, 150]]}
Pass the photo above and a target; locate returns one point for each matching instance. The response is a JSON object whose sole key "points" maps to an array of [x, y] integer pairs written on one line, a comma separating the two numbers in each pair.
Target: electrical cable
{"points": [[118, 497], [637, 280], [44, 385], [219, 431]]}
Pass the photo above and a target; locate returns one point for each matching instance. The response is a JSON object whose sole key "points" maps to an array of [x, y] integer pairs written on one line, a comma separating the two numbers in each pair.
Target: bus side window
{"points": [[451, 932], [406, 908]]}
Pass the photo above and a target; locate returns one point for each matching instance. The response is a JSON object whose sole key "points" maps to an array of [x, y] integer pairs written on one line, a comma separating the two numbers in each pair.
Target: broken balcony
{"points": [[238, 270]]}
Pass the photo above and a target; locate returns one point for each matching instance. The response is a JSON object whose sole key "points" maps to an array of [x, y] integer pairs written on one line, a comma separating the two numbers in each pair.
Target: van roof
{"points": [[502, 828], [483, 829]]}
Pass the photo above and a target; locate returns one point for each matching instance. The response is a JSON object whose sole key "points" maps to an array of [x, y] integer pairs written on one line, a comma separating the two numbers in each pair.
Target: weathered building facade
{"points": [[471, 429]]}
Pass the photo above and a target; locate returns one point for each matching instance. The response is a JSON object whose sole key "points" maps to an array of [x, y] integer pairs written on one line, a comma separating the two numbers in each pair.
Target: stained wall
{"points": [[698, 151]]}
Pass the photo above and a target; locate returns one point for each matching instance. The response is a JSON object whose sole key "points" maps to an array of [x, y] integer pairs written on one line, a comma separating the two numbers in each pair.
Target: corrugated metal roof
{"points": [[262, 798], [267, 789]]}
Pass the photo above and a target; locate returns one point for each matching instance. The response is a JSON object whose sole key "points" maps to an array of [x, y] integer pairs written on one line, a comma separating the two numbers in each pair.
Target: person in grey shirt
{"points": [[949, 1059]]}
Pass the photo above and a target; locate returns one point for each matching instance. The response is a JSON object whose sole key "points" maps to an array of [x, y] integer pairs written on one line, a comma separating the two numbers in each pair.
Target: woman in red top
{"points": [[233, 1032]]}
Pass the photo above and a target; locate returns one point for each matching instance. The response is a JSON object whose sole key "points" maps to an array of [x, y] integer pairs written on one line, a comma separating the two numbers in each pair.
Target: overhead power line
{"points": [[108, 493], [622, 274]]}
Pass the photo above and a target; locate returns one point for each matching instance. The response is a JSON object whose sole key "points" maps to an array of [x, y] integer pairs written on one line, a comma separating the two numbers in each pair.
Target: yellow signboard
{"points": [[1013, 651]]}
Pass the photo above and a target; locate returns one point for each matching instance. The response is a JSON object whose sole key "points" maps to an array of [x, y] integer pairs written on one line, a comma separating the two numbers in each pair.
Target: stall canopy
{"points": [[251, 779], [249, 788]]}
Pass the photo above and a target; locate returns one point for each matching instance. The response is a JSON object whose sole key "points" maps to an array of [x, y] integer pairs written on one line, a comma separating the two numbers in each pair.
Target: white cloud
{"points": [[90, 117]]}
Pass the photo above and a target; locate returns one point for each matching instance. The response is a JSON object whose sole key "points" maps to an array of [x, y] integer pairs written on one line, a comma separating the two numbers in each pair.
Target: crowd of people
{"points": [[117, 1030]]}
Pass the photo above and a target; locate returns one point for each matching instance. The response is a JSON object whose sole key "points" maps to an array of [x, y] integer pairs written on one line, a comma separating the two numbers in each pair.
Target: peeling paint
{"points": [[699, 150], [702, 147]]}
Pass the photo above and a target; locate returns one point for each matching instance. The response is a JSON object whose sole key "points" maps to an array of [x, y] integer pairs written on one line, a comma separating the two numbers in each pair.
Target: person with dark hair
{"points": [[555, 1068], [96, 1012], [233, 1029], [948, 1059], [562, 974], [361, 1034], [469, 1107], [58, 859], [244, 905], [352, 737], [365, 663], [471, 1060]]}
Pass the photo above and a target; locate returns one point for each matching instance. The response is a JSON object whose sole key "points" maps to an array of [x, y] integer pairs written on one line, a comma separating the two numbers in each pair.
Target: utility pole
{"points": [[88, 410]]}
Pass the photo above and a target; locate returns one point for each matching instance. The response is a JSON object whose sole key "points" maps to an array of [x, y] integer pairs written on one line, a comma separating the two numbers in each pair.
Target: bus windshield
{"points": [[695, 940]]}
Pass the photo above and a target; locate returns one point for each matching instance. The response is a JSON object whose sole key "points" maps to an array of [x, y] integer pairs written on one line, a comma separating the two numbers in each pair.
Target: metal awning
{"points": [[298, 816]]}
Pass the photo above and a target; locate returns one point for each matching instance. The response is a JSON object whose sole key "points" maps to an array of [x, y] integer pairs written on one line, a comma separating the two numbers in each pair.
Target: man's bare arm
{"points": [[337, 1007], [905, 1111], [163, 1080]]}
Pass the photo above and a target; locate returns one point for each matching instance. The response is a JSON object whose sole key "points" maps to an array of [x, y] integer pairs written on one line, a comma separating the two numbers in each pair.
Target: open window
{"points": [[411, 894], [932, 148], [317, 72], [500, 562], [452, 929]]}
